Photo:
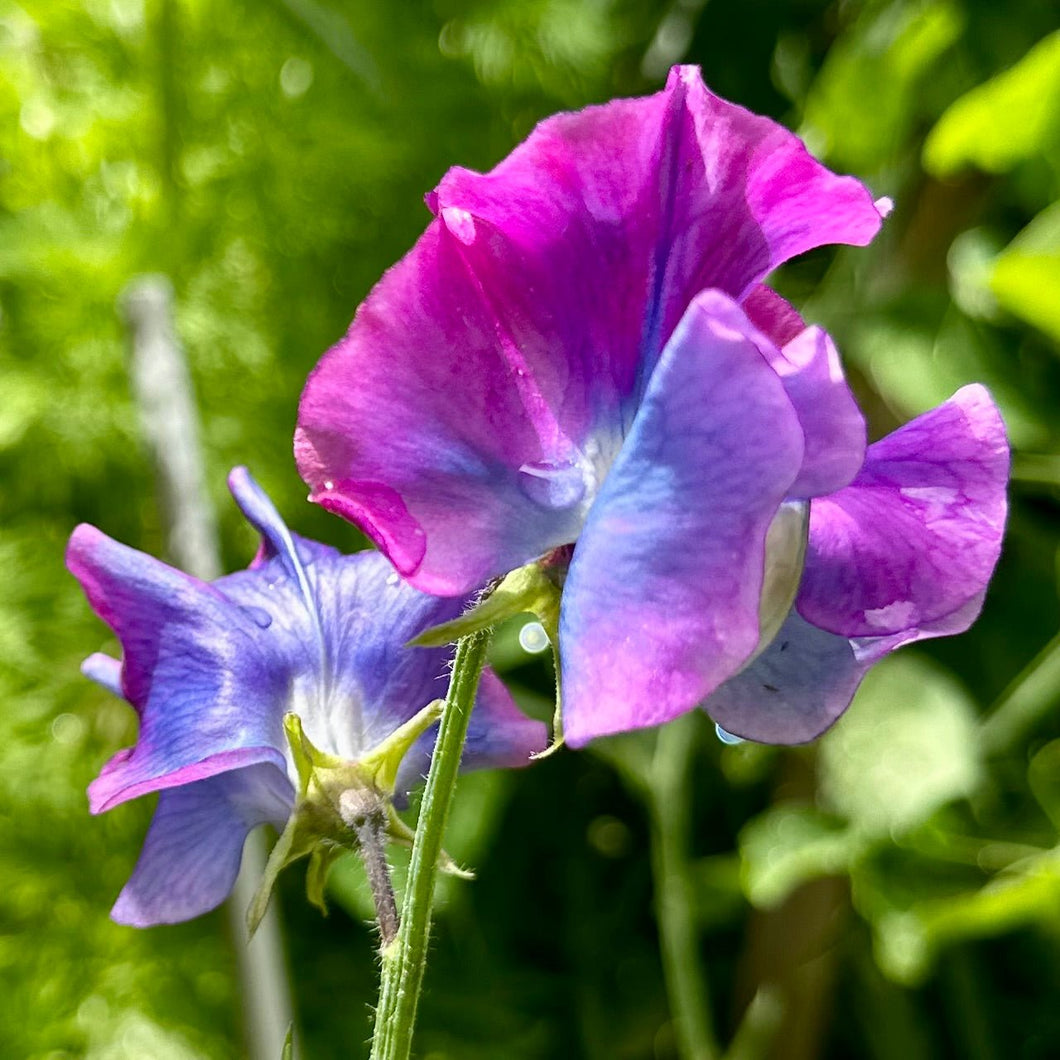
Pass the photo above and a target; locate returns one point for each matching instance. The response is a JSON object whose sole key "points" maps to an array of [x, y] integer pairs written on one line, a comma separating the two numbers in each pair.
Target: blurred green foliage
{"points": [[897, 886]]}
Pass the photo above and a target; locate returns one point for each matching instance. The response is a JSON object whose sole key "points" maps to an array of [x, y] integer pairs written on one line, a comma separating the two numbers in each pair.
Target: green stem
{"points": [[686, 983], [1025, 702], [404, 960]]}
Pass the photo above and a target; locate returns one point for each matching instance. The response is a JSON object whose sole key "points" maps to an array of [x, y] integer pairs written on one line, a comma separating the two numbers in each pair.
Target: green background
{"points": [[893, 891]]}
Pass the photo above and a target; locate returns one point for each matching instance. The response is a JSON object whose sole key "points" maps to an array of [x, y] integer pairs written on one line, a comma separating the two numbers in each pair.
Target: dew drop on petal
{"points": [[533, 638], [555, 486], [727, 737], [329, 485], [258, 615], [393, 578]]}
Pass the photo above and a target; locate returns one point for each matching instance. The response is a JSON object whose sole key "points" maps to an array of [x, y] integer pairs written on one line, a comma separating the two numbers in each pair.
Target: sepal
{"points": [[319, 826], [533, 589]]}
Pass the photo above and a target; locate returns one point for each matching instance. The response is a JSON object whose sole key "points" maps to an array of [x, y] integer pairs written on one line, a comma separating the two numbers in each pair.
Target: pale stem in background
{"points": [[170, 424]]}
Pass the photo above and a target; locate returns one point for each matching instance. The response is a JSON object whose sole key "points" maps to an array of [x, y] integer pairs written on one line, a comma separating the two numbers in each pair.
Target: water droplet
{"points": [[329, 485], [555, 486], [67, 729], [533, 638], [460, 223], [727, 737], [393, 578], [258, 615]]}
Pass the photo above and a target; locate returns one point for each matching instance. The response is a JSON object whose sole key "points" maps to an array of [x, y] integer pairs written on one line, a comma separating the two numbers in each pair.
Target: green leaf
{"points": [[787, 845], [907, 940], [1026, 275], [861, 105], [907, 746], [1043, 775], [1006, 120], [527, 589]]}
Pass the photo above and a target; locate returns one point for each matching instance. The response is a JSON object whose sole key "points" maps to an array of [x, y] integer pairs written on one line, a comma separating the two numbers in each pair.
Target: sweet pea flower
{"points": [[578, 363], [213, 668]]}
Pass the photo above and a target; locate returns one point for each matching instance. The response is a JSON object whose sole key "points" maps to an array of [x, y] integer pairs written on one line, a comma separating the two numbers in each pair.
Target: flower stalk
{"points": [[404, 959], [365, 814], [686, 985]]}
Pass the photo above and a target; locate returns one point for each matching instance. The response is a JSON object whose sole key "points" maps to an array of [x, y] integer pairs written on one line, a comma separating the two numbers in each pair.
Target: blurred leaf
{"points": [[718, 890], [907, 746], [1043, 774], [555, 46], [860, 106], [630, 754], [1008, 119], [907, 941], [788, 845], [1026, 275], [1034, 692], [916, 368]]}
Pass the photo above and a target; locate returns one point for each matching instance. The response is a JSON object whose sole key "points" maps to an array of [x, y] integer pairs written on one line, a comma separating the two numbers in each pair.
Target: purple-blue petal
{"points": [[365, 682], [104, 670], [208, 692], [918, 532], [793, 691], [805, 679], [193, 848], [499, 736], [661, 602]]}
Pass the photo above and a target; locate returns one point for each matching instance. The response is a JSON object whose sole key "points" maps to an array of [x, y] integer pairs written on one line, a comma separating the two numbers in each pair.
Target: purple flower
{"points": [[580, 351], [213, 668], [903, 553]]}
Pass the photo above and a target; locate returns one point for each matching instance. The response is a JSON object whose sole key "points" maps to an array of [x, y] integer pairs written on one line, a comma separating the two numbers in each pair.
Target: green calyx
{"points": [[534, 589], [337, 801]]}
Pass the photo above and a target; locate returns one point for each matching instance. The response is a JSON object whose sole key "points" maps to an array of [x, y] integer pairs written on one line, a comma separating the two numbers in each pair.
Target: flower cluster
{"points": [[578, 370]]}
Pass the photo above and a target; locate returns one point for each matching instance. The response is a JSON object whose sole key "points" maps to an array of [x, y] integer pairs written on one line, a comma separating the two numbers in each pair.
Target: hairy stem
{"points": [[405, 958], [365, 815]]}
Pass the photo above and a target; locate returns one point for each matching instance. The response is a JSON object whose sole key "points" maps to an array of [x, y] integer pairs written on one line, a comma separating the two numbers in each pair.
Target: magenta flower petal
{"points": [[445, 419], [680, 189], [193, 848], [831, 421], [773, 315], [917, 534], [662, 600], [469, 413]]}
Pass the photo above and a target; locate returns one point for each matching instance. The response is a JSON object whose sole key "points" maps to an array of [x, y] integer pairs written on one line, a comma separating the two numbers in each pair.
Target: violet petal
{"points": [[193, 848], [918, 532], [661, 601]]}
